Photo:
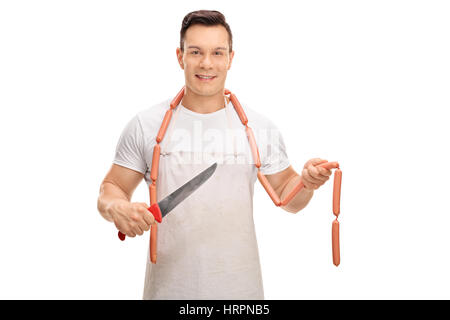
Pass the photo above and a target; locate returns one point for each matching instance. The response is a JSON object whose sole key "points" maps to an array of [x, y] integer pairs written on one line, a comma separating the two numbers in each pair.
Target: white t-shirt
{"points": [[207, 247]]}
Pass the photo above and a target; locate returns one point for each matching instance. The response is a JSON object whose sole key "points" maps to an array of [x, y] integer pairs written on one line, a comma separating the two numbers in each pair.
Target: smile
{"points": [[205, 78]]}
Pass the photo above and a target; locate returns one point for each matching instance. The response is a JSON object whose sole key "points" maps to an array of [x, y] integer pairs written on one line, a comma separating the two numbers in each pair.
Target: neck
{"points": [[203, 104]]}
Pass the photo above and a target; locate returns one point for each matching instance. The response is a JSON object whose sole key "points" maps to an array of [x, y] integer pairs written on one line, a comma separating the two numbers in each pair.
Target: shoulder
{"points": [[151, 117], [258, 120], [145, 123]]}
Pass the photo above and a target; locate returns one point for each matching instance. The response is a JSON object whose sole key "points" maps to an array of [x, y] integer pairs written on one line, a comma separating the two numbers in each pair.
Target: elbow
{"points": [[102, 205], [290, 210], [101, 208]]}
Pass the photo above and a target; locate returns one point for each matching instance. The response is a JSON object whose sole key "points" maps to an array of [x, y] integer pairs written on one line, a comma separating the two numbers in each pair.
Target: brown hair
{"points": [[207, 18]]}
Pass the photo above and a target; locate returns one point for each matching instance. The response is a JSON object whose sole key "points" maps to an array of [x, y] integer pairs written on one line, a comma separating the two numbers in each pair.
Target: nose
{"points": [[206, 61]]}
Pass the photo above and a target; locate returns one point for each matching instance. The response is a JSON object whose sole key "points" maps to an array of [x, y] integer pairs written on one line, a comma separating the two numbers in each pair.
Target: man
{"points": [[207, 246]]}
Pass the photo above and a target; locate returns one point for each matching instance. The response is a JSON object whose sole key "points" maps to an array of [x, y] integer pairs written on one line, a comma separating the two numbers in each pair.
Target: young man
{"points": [[207, 247]]}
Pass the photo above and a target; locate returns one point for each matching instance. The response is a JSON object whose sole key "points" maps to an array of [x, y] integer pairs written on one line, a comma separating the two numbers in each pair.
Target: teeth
{"points": [[204, 77]]}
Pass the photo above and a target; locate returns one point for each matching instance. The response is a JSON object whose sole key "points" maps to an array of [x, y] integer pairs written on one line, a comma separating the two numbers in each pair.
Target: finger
{"points": [[311, 179], [330, 165], [312, 170], [308, 183], [143, 225], [323, 171], [319, 173], [315, 162], [318, 161], [137, 229], [148, 217], [140, 216]]}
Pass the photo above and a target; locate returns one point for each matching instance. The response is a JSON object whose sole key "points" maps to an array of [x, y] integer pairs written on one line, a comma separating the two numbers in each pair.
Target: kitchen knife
{"points": [[163, 207]]}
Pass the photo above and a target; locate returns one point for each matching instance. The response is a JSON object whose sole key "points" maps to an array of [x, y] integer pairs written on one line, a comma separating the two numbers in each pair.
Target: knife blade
{"points": [[163, 207], [175, 198]]}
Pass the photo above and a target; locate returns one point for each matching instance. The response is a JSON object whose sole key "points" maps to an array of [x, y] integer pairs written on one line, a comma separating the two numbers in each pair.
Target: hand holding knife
{"points": [[163, 207]]}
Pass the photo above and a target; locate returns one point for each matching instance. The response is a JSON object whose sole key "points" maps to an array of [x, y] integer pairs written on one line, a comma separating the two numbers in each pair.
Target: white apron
{"points": [[206, 247]]}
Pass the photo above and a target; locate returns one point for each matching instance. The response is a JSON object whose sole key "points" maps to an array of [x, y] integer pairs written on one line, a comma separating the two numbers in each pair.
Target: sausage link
{"points": [[153, 193], [253, 147], [337, 192], [294, 191], [155, 162], [177, 98], [153, 237], [164, 126], [237, 106], [335, 243], [154, 227], [273, 195]]}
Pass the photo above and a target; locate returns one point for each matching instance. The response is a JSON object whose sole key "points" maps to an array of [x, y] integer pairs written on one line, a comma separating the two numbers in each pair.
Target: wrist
{"points": [[305, 188]]}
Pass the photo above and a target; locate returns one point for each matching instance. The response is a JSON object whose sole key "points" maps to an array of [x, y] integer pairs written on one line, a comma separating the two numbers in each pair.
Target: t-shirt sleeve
{"points": [[274, 156], [130, 148]]}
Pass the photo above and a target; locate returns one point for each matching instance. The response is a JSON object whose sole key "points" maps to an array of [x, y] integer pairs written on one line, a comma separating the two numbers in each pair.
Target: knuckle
{"points": [[133, 226], [141, 209]]}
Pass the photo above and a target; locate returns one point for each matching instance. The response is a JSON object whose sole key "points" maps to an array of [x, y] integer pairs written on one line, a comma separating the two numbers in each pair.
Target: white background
{"points": [[365, 83]]}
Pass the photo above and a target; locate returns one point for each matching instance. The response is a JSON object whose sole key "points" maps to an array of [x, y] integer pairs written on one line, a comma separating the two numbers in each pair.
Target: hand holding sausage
{"points": [[132, 218], [313, 176]]}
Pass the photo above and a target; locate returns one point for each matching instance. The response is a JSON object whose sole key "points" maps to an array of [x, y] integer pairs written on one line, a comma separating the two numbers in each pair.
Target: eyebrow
{"points": [[218, 48]]}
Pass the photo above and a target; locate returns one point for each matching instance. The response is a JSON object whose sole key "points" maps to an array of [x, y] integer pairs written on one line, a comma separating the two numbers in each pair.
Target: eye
{"points": [[194, 52], [220, 53]]}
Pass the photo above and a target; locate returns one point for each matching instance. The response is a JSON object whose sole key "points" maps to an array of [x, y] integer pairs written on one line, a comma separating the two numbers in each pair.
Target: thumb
{"points": [[144, 205], [314, 162]]}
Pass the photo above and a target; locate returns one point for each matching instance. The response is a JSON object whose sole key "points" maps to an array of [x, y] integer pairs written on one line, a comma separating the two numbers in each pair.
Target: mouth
{"points": [[205, 78]]}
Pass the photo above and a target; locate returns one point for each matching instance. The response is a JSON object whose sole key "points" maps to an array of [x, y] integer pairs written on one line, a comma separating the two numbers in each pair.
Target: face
{"points": [[206, 53]]}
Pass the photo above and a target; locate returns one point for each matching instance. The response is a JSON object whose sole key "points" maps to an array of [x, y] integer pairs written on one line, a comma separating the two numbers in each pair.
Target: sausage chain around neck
{"points": [[255, 154]]}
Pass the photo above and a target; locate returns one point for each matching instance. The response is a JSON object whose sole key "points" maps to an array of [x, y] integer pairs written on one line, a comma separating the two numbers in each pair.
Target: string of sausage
{"points": [[273, 195]]}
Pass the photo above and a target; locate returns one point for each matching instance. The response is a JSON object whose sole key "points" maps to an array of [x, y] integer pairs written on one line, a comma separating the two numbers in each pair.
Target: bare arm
{"points": [[312, 177], [283, 182], [114, 201]]}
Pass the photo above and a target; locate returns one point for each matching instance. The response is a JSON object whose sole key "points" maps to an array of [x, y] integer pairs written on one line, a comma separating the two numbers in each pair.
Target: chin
{"points": [[205, 91]]}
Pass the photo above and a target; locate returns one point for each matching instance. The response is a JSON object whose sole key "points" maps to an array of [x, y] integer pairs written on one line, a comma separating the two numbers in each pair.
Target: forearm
{"points": [[300, 200], [110, 195]]}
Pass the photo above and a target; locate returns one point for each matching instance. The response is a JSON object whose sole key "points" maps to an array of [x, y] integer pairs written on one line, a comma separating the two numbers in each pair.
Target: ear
{"points": [[180, 58], [231, 59]]}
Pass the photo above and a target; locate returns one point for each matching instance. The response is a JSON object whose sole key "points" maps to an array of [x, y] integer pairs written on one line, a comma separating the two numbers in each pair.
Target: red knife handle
{"points": [[155, 210]]}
